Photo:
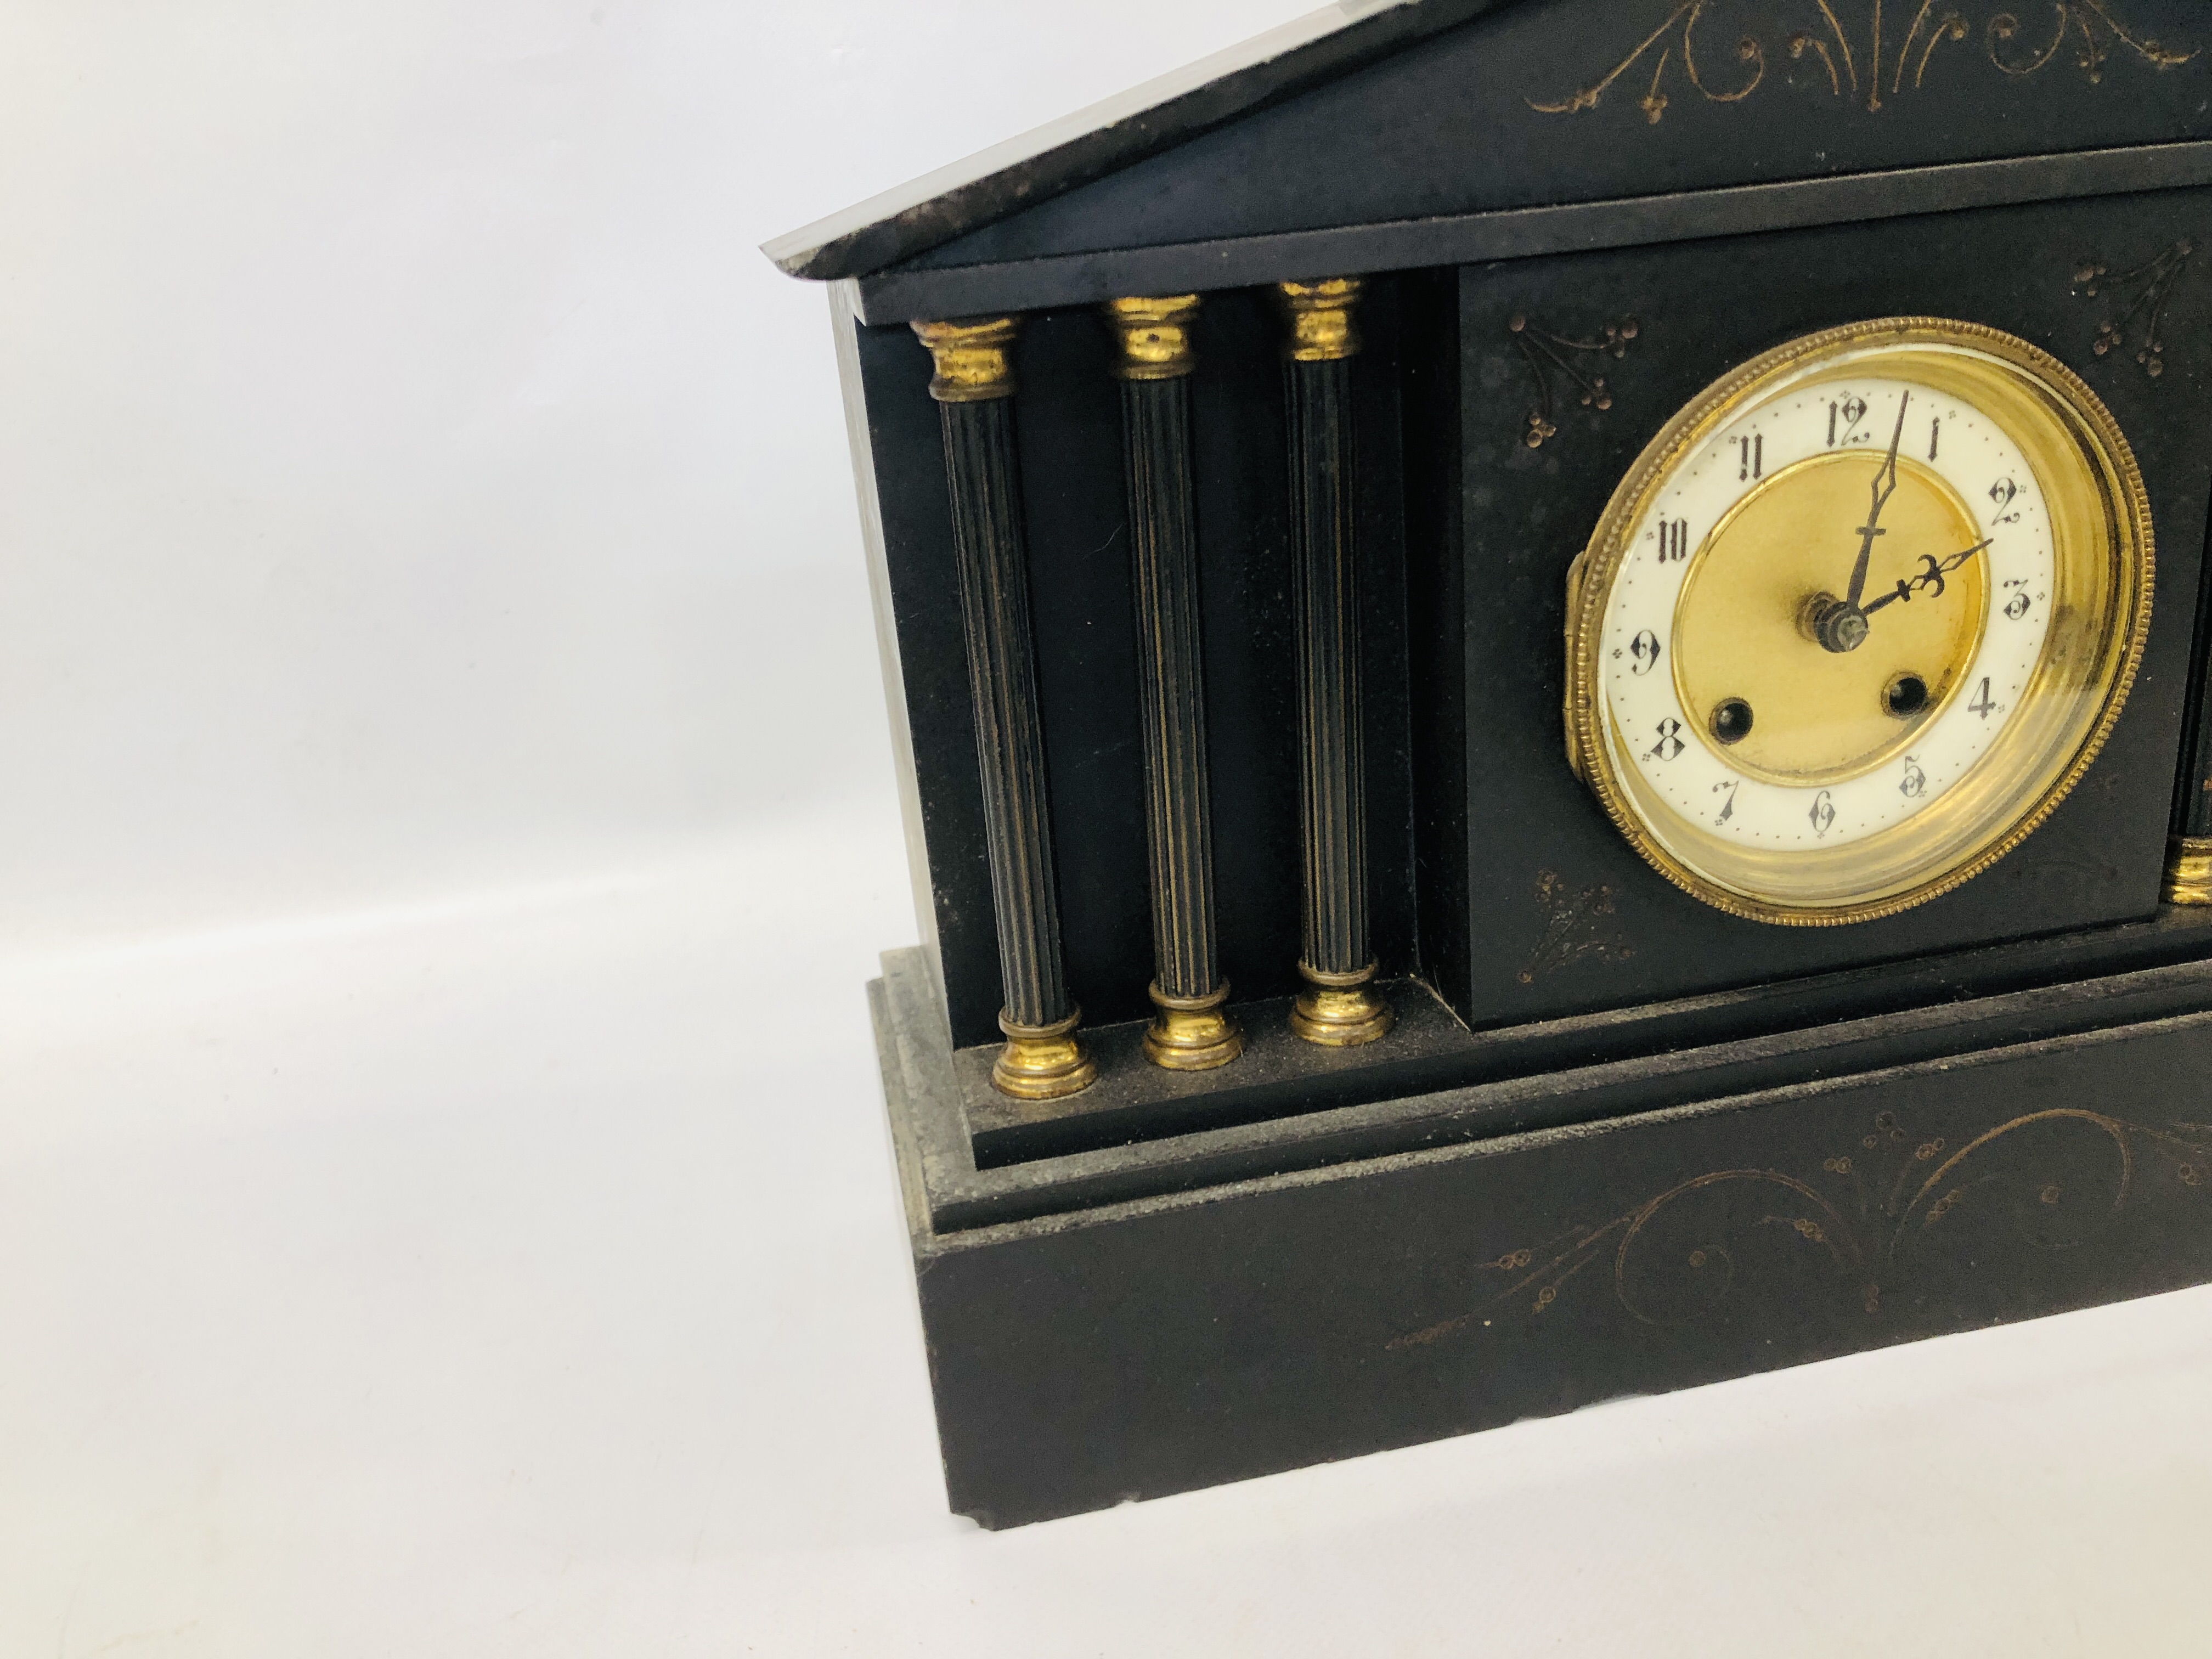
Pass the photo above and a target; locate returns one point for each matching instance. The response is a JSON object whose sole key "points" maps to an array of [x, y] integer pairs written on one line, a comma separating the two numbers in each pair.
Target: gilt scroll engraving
{"points": [[1863, 60], [2066, 1176]]}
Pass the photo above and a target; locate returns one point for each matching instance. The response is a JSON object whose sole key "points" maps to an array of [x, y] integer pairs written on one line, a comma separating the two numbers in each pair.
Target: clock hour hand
{"points": [[1931, 577], [1885, 484], [1840, 624]]}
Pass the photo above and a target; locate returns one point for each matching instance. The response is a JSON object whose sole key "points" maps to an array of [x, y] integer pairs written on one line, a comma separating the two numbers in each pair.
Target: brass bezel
{"points": [[2103, 568]]}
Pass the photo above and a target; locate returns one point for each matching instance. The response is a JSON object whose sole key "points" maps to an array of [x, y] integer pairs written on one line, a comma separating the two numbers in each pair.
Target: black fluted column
{"points": [[1340, 1005], [1189, 1032], [973, 387]]}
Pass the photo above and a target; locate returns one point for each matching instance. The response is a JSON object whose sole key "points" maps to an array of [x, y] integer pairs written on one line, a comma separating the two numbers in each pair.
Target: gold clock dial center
{"points": [[1758, 686]]}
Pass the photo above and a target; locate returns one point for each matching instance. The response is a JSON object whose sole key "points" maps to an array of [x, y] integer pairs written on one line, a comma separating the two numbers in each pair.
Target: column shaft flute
{"points": [[974, 386], [1340, 1005], [1190, 1031]]}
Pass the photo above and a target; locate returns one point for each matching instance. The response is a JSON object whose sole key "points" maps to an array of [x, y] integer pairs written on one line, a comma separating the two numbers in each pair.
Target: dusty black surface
{"points": [[1656, 1145], [1080, 1358]]}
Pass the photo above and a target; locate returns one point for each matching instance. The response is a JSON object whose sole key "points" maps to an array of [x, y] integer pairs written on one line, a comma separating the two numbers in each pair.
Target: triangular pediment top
{"points": [[1469, 107], [1092, 143], [1574, 100]]}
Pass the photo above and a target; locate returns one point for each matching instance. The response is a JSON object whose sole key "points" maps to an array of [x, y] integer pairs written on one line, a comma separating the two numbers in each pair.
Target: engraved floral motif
{"points": [[1548, 355], [1863, 1216], [2151, 284], [2097, 38], [1576, 927], [1678, 32], [1855, 67]]}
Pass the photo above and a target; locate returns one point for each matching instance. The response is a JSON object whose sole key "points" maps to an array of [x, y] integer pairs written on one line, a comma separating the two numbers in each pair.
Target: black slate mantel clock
{"points": [[1548, 659]]}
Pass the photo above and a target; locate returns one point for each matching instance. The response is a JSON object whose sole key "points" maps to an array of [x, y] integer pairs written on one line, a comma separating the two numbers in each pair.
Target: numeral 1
{"points": [[1935, 432]]}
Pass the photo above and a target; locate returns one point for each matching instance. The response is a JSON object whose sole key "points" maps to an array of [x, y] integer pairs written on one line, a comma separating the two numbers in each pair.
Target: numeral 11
{"points": [[1750, 456]]}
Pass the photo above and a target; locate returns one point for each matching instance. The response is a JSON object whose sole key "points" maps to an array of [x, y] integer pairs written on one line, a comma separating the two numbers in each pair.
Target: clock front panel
{"points": [[1865, 643], [1790, 689]]}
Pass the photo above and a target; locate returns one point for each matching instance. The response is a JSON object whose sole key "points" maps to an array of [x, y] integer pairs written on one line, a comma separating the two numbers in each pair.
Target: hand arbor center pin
{"points": [[1837, 624]]}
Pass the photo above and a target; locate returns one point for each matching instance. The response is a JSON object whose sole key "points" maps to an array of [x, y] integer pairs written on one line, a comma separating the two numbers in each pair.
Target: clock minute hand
{"points": [[1885, 484], [1931, 577]]}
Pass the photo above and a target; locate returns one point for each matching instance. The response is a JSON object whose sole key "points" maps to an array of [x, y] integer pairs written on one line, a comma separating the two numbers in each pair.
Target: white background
{"points": [[446, 823]]}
